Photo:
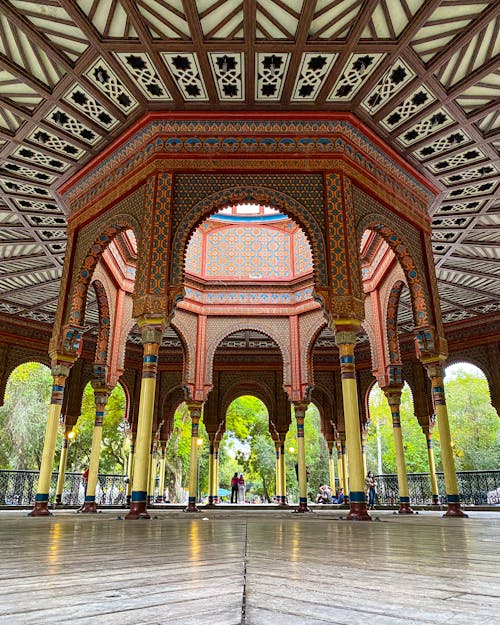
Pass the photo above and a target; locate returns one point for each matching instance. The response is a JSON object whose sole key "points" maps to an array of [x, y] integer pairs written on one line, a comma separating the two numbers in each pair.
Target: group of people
{"points": [[325, 494], [238, 488]]}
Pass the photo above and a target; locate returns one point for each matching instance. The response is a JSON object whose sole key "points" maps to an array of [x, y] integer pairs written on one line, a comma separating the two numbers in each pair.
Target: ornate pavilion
{"points": [[293, 200]]}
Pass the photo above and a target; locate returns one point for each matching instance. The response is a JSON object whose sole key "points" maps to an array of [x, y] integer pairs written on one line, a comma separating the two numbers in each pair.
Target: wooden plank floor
{"points": [[249, 567]]}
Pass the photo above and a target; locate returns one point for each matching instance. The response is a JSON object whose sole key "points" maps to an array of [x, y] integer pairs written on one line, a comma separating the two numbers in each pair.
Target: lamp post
{"points": [[199, 442]]}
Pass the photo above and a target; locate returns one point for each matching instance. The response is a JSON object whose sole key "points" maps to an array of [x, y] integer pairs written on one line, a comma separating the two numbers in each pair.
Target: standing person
{"points": [[241, 489], [85, 480], [234, 488], [371, 484]]}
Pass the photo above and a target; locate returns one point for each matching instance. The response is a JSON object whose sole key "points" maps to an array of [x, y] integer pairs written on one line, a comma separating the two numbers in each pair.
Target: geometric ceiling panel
{"points": [[27, 54], [480, 188], [270, 72], [423, 76], [414, 102], [105, 80], [9, 121], [187, 74], [333, 20], [164, 20], [459, 158], [312, 73], [353, 76], [54, 23], [459, 207], [227, 73], [390, 19], [145, 75], [482, 93], [392, 81], [71, 125], [78, 97], [443, 144], [53, 142], [109, 18], [486, 171], [37, 206], [275, 19], [475, 53], [427, 126], [445, 23], [27, 172], [18, 92], [39, 158], [221, 19], [490, 122], [9, 186]]}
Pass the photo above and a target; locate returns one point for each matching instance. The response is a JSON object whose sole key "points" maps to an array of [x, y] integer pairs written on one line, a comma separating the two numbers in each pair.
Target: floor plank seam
{"points": [[244, 594]]}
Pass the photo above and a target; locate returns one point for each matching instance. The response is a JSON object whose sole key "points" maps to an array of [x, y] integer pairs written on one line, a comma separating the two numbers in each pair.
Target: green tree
{"points": [[474, 423], [24, 415], [114, 447]]}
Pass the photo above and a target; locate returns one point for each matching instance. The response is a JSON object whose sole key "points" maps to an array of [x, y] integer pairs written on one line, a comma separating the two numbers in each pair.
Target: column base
{"points": [[302, 507], [40, 508], [191, 507], [89, 507], [454, 510], [405, 508], [138, 510], [435, 500], [358, 512], [210, 505]]}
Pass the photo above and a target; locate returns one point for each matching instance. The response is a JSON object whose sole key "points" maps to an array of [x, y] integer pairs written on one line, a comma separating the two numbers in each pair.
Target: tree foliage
{"points": [[23, 416], [247, 445], [114, 447]]}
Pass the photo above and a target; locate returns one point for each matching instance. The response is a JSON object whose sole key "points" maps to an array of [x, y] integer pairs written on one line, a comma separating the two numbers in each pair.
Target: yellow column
{"points": [[284, 498], [435, 372], [300, 413], [60, 372], [216, 472], [363, 448], [62, 464], [152, 330], [345, 337], [161, 490], [345, 467], [211, 474], [153, 467], [331, 466], [101, 395], [130, 469], [432, 465], [393, 396], [195, 410], [279, 490], [340, 466]]}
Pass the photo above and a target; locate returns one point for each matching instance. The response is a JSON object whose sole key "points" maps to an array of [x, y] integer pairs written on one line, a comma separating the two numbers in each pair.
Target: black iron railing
{"points": [[476, 488], [18, 488]]}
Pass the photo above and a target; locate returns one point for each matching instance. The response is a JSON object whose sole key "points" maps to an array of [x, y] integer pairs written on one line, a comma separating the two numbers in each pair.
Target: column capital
{"points": [[393, 394], [152, 329], [435, 369], [345, 331], [195, 409], [300, 409]]}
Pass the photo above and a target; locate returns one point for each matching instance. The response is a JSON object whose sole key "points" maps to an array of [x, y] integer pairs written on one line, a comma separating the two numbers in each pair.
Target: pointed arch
{"points": [[415, 280], [241, 194]]}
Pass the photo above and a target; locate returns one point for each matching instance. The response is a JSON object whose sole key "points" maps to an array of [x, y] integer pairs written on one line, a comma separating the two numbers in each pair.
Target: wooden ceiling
{"points": [[423, 74]]}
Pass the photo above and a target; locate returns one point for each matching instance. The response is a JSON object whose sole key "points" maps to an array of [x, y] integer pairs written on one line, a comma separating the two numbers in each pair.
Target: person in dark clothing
{"points": [[234, 488]]}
